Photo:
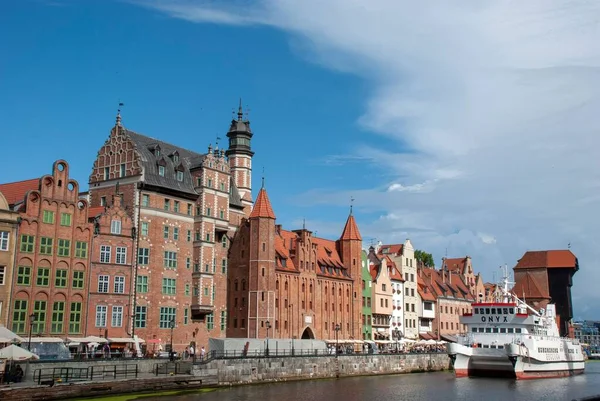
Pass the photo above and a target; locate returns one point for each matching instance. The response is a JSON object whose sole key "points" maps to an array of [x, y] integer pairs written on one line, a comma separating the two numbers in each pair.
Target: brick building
{"points": [[381, 271], [464, 268], [185, 207], [290, 284], [50, 281], [9, 223], [109, 309]]}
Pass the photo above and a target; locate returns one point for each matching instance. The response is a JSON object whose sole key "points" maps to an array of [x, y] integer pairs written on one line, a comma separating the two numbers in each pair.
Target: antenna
{"points": [[569, 245], [304, 224], [263, 178], [351, 203]]}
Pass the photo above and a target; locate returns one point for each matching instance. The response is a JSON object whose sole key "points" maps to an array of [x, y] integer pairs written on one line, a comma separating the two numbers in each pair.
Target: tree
{"points": [[425, 258]]}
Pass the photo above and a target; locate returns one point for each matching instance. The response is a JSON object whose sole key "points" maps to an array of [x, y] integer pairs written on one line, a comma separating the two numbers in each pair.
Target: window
{"points": [[78, 279], [145, 200], [189, 209], [170, 260], [140, 317], [221, 214], [75, 317], [209, 184], [224, 241], [43, 277], [188, 263], [143, 256], [46, 246], [27, 243], [121, 255], [168, 286], [48, 217], [189, 235], [161, 171], [210, 321], [104, 254], [167, 314], [2, 273], [382, 287], [223, 320], [208, 237], [19, 316], [58, 317], [60, 278], [166, 232], [64, 247], [224, 266], [115, 227], [176, 207], [187, 289], [101, 316], [144, 229], [185, 316], [175, 233], [208, 211], [122, 170], [65, 219], [142, 284], [117, 316], [4, 240], [106, 173], [119, 284], [103, 201], [167, 204], [81, 249], [103, 283], [222, 186], [39, 310], [180, 176]]}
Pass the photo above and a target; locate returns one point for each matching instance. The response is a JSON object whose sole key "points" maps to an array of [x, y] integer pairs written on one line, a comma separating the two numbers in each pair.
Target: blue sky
{"points": [[471, 129]]}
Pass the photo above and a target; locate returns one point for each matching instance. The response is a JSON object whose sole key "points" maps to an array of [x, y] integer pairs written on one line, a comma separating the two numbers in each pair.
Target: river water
{"points": [[411, 387]]}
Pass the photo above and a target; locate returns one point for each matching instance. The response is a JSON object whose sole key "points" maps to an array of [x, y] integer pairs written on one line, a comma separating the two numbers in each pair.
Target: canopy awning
{"points": [[125, 340], [46, 340], [88, 339], [450, 338]]}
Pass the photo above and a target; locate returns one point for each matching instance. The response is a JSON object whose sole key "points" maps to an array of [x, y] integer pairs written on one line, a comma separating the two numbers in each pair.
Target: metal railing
{"points": [[113, 371], [42, 376]]}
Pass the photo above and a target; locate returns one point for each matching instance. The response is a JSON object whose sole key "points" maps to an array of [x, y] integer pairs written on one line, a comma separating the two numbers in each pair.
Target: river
{"points": [[414, 387]]}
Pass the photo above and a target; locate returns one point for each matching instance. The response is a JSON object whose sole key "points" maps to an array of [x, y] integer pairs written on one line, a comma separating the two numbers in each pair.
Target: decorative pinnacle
{"points": [[240, 111], [121, 104]]}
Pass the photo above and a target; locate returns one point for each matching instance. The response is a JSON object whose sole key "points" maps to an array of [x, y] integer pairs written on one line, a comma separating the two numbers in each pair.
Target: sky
{"points": [[470, 128]]}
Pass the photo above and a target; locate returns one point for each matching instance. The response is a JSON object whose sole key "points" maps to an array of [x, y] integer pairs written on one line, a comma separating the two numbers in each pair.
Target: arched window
{"points": [[303, 287], [286, 285], [277, 284]]}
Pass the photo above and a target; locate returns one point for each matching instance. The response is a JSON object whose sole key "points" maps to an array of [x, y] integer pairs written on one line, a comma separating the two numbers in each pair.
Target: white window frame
{"points": [[4, 240], [103, 283], [115, 227], [117, 316], [145, 228], [105, 253], [121, 255], [143, 256], [101, 315], [2, 275], [119, 284]]}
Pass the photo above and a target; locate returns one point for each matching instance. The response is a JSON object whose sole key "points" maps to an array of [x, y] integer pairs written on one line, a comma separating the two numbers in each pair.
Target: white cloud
{"points": [[498, 102]]}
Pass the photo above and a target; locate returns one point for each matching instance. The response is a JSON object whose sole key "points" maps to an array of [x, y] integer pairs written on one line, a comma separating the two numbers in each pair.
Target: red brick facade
{"points": [[291, 283], [52, 269]]}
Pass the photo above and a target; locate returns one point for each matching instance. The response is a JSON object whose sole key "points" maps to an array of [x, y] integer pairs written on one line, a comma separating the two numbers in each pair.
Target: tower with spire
{"points": [[240, 155]]}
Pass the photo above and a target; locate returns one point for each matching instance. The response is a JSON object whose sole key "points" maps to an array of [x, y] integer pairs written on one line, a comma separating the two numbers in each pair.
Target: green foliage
{"points": [[425, 258]]}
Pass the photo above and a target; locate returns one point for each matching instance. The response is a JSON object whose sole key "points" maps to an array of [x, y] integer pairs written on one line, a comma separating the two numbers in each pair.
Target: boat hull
{"points": [[474, 362]]}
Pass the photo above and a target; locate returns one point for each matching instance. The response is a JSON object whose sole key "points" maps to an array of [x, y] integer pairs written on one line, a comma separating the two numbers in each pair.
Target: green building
{"points": [[366, 298]]}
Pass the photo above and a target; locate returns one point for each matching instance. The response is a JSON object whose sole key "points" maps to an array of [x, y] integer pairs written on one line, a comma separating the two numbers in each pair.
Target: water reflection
{"points": [[413, 387]]}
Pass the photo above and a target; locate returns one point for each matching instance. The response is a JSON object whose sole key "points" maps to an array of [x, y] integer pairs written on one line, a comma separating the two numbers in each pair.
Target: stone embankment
{"points": [[184, 376]]}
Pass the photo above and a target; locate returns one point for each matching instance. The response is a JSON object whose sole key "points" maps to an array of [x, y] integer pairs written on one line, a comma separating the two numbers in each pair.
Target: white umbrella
{"points": [[430, 342], [15, 353], [6, 333]]}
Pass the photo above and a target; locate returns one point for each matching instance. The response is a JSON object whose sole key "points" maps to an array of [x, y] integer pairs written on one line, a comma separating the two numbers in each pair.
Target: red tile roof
{"points": [[395, 273], [262, 207], [395, 249], [548, 259], [14, 192], [351, 230], [95, 211], [456, 265], [528, 287]]}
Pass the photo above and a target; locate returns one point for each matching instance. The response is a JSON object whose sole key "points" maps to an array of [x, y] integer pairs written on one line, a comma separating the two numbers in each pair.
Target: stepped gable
{"points": [[262, 206], [351, 230], [14, 192], [548, 259]]}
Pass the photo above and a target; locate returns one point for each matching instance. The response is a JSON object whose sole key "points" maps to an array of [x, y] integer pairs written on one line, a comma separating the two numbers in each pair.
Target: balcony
{"points": [[200, 311]]}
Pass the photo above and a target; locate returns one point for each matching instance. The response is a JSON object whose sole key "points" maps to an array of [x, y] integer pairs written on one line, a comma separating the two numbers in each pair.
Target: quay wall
{"points": [[260, 369]]}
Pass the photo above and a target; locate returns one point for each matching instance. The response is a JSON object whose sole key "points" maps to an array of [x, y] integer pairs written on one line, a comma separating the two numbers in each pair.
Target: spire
{"points": [[262, 206], [240, 111], [351, 230], [118, 122]]}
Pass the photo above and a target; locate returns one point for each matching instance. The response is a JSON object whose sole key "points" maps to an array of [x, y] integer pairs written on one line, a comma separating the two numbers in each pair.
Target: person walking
{"points": [[202, 353]]}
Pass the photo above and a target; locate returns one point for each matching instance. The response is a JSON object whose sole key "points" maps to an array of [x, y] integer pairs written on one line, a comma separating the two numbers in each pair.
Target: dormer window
{"points": [[161, 171], [180, 176], [179, 172], [175, 157]]}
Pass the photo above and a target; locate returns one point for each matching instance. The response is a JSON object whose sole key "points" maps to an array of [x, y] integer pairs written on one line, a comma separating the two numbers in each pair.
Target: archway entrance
{"points": [[307, 334]]}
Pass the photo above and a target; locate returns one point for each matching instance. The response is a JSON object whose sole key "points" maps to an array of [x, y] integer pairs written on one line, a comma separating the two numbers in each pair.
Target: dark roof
{"points": [[235, 199]]}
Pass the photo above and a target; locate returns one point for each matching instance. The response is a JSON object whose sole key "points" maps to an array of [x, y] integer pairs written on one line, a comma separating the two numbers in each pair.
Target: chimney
{"points": [[277, 229], [443, 272]]}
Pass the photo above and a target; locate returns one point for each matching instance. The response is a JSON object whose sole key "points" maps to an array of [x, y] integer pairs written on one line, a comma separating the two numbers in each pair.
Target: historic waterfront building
{"points": [[403, 255], [186, 207], [382, 295], [109, 309], [291, 284], [464, 268], [427, 307], [50, 281], [542, 276], [9, 222], [367, 311], [397, 283]]}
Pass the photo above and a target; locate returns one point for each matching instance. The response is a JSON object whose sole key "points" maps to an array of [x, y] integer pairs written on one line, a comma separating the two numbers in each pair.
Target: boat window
{"points": [[517, 330], [488, 329], [493, 311], [476, 311], [495, 329], [501, 347], [511, 310], [503, 330], [474, 330], [487, 311], [505, 311], [481, 329], [510, 329], [485, 346]]}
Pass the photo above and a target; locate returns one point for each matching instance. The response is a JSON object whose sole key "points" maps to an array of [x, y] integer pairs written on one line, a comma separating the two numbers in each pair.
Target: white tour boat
{"points": [[508, 338]]}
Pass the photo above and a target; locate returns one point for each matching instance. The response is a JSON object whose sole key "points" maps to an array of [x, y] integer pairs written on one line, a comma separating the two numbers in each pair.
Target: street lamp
{"points": [[31, 322], [172, 326], [268, 324], [337, 346]]}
